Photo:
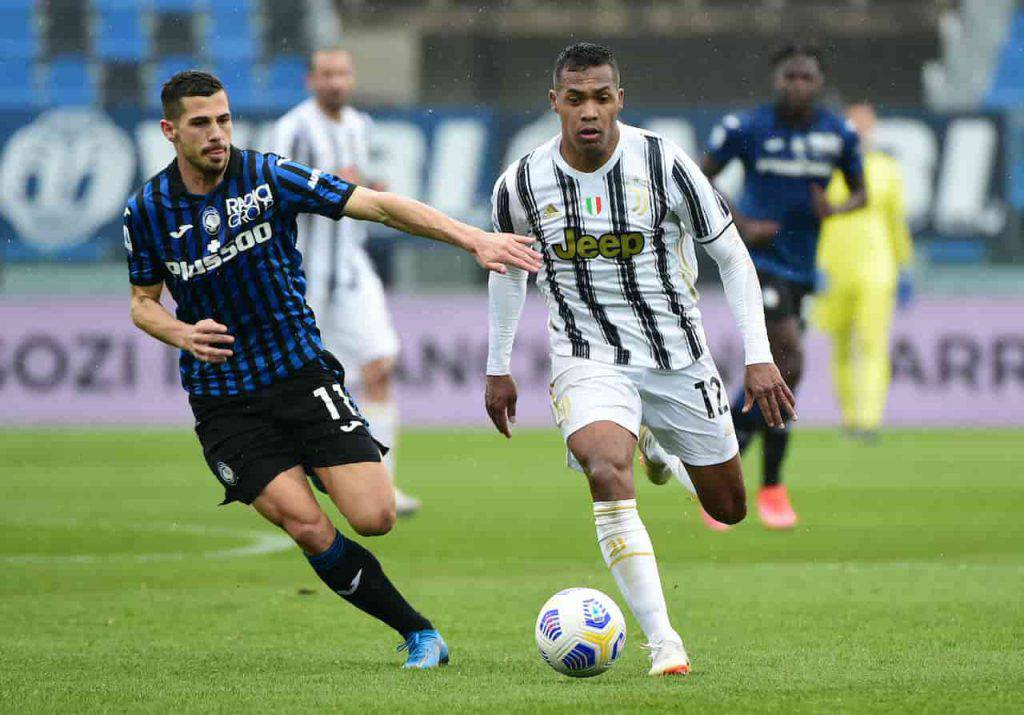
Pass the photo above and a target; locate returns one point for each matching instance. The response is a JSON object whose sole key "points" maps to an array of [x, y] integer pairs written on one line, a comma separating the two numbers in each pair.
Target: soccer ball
{"points": [[580, 632]]}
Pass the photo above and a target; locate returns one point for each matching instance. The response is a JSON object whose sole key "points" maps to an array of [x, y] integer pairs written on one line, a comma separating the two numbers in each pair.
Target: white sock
{"points": [[627, 550], [673, 463], [383, 417]]}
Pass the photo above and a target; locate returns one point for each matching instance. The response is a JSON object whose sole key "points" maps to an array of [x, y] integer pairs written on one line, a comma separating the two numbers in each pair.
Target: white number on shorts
{"points": [[332, 409], [714, 382]]}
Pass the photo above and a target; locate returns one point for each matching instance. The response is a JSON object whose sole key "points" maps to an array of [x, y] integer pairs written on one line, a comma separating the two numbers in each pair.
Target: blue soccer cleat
{"points": [[427, 649]]}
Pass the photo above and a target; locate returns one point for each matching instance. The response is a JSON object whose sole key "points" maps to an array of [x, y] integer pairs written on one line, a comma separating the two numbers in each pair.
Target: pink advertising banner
{"points": [[956, 362]]}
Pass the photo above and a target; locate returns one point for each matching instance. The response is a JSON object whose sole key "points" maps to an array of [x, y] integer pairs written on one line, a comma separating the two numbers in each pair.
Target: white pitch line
{"points": [[259, 543]]}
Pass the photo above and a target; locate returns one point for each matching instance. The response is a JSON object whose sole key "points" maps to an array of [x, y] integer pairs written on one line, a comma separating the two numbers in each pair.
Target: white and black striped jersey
{"points": [[308, 135], [619, 269]]}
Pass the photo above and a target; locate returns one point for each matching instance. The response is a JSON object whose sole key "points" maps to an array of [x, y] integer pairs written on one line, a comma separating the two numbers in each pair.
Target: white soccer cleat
{"points": [[654, 458], [406, 505], [668, 657]]}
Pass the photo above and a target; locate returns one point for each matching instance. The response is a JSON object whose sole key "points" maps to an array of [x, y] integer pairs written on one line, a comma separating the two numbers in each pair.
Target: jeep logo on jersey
{"points": [[609, 245], [243, 209], [208, 264]]}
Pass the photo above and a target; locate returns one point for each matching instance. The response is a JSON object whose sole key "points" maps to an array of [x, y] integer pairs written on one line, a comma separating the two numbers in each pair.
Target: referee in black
{"points": [[217, 226]]}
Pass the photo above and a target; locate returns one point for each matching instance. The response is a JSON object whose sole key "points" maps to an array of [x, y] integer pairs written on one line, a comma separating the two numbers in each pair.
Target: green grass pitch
{"points": [[124, 587]]}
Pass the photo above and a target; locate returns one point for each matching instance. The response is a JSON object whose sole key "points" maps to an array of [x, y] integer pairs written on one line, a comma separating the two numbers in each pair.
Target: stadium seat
{"points": [[174, 34], [16, 88], [242, 82], [17, 31], [286, 74], [162, 71], [178, 5], [1007, 90], [119, 35], [65, 28], [231, 34], [69, 81]]}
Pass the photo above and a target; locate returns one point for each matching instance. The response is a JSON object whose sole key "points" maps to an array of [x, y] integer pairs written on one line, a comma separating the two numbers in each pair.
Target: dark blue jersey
{"points": [[230, 255], [780, 163]]}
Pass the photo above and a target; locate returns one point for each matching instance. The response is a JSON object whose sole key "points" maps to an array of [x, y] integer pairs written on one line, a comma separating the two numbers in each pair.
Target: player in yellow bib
{"points": [[864, 256]]}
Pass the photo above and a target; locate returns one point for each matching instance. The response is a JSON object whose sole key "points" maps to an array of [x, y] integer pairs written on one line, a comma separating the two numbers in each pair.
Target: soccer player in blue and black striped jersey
{"points": [[217, 227], [789, 149]]}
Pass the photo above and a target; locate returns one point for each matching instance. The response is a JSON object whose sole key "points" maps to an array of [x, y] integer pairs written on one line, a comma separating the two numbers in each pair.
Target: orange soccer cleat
{"points": [[774, 508], [711, 522]]}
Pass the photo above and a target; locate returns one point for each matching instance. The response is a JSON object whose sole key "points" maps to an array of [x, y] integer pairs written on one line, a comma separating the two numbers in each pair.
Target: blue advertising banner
{"points": [[66, 172]]}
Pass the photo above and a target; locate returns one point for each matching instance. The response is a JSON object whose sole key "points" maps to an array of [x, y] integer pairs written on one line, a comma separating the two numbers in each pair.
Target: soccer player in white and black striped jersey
{"points": [[343, 287], [616, 212]]}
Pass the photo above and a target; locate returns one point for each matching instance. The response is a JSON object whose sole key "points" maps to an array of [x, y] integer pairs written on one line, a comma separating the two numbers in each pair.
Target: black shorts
{"points": [[306, 419], [783, 298]]}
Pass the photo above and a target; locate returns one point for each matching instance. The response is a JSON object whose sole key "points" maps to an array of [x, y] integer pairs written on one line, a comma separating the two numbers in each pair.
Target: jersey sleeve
{"points": [[728, 140], [288, 139], [702, 211], [143, 267], [851, 161], [507, 215], [303, 189]]}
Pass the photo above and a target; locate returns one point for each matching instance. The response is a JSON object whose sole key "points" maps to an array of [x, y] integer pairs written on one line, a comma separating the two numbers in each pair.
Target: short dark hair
{"points": [[799, 49], [190, 83], [580, 56]]}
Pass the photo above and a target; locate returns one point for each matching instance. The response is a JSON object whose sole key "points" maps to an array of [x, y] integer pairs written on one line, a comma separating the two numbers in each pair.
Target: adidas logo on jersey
{"points": [[550, 211], [609, 245]]}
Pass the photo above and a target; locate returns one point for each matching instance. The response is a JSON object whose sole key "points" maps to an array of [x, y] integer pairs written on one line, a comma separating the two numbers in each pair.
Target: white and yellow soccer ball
{"points": [[580, 632]]}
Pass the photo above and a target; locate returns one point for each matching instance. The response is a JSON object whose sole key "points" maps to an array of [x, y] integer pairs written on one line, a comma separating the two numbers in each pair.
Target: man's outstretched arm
{"points": [[493, 251]]}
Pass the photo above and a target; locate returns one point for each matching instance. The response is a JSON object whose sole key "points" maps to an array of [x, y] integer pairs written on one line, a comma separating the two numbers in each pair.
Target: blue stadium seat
{"points": [[17, 32], [231, 34], [178, 5], [70, 82], [286, 80], [164, 68], [1007, 90], [119, 34], [241, 80], [16, 86]]}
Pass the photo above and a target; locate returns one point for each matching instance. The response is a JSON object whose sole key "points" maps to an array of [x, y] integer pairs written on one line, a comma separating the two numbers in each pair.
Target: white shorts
{"points": [[687, 410], [357, 327]]}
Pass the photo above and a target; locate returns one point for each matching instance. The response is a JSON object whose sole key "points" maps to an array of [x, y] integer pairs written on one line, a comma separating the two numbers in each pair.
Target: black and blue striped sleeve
{"points": [[143, 267], [303, 189]]}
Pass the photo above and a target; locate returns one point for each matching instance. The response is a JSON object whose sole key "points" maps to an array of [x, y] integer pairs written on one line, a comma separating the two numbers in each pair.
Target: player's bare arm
{"points": [[493, 251], [500, 396], [207, 339], [755, 232], [858, 198]]}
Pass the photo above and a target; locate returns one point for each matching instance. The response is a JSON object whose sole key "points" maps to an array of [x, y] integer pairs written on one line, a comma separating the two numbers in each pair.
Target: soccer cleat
{"points": [[668, 657], [774, 508], [406, 505], [427, 649], [652, 456], [711, 522]]}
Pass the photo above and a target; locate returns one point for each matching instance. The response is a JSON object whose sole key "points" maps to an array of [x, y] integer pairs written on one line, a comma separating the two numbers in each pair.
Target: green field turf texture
{"points": [[902, 589]]}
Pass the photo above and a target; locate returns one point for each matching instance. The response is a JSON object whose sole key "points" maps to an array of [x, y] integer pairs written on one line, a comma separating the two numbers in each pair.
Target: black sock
{"points": [[775, 442], [747, 425], [355, 574]]}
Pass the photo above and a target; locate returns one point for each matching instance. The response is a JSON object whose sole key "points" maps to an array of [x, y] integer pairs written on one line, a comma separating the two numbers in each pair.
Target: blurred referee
{"points": [[325, 130], [217, 226]]}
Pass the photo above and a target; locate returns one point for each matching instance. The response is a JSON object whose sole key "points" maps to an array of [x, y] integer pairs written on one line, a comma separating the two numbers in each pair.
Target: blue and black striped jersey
{"points": [[231, 255]]}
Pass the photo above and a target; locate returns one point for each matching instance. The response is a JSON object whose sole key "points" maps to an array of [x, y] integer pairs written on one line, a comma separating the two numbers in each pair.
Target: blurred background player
{"points": [[789, 149], [616, 211], [344, 290], [864, 257]]}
